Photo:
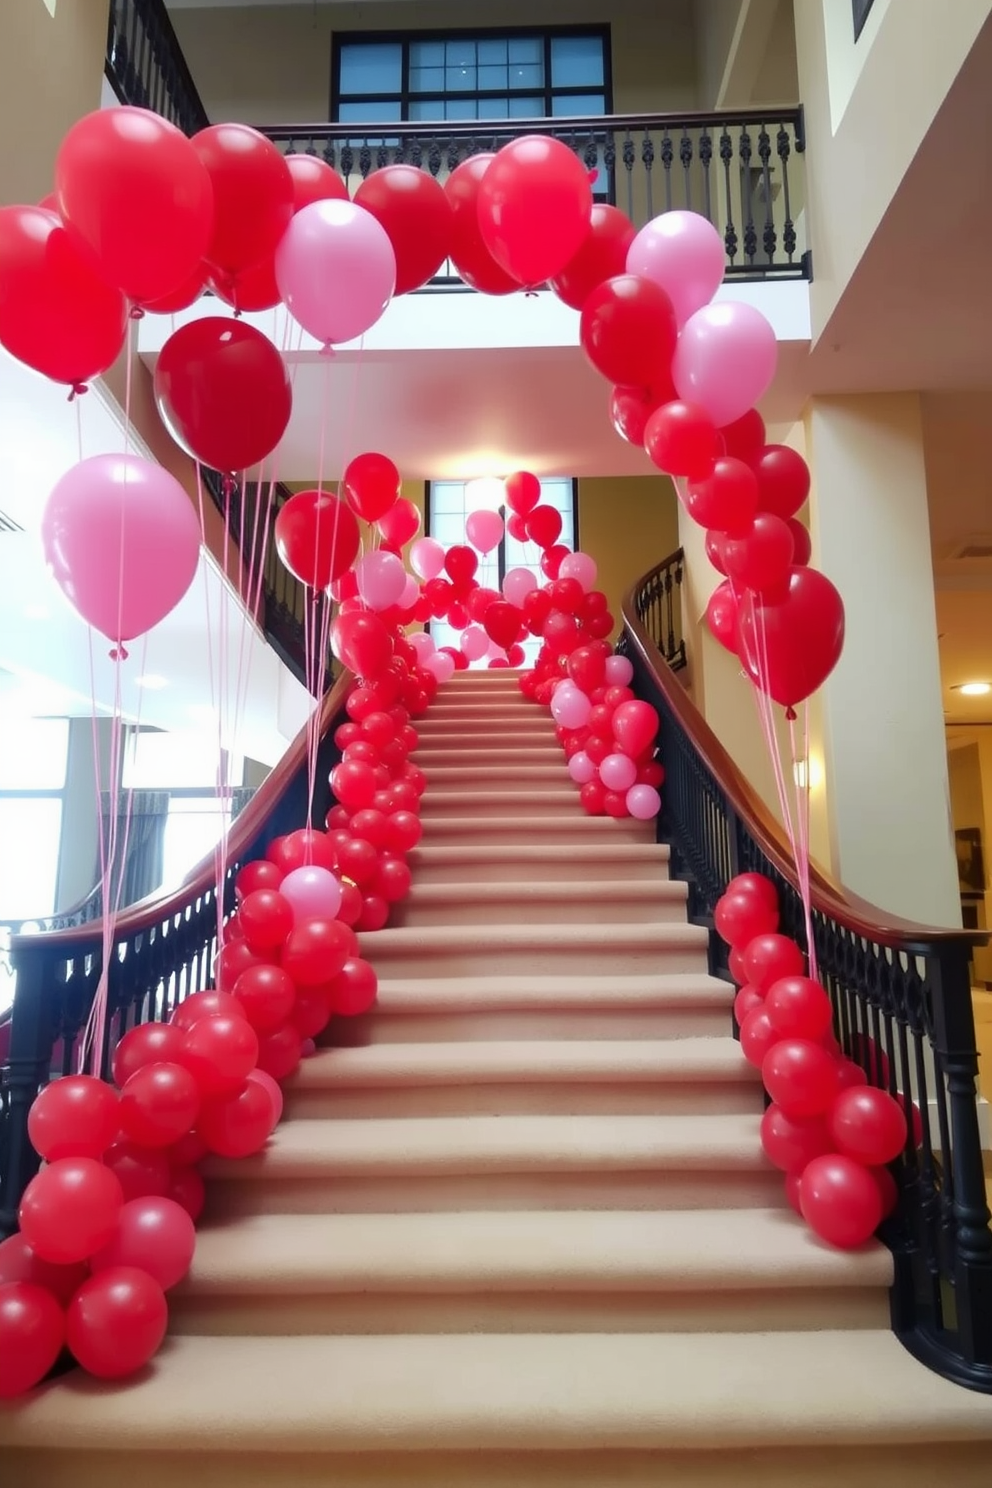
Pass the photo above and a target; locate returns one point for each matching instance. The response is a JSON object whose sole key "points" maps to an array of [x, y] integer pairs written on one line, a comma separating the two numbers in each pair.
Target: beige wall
{"points": [[265, 64], [51, 69], [746, 53], [970, 774], [627, 525]]}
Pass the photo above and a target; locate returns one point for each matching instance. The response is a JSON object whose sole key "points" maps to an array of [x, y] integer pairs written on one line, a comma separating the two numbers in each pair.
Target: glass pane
{"points": [[576, 61], [373, 67], [491, 78], [448, 528], [492, 53], [427, 109], [33, 754], [460, 53], [192, 829], [494, 108], [426, 54], [447, 496], [461, 108], [460, 79], [575, 105], [527, 49], [370, 111], [426, 79], [526, 108], [28, 876], [525, 75], [174, 761]]}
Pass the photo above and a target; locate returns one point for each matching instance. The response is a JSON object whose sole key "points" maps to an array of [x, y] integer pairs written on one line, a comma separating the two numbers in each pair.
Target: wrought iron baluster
{"points": [[769, 241]]}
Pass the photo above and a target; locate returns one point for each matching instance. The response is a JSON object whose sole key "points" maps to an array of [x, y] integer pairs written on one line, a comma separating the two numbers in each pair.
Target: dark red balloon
{"points": [[544, 525], [223, 392], [253, 195], [370, 485], [523, 492], [790, 648], [801, 541], [631, 407], [744, 439], [602, 256], [412, 207], [317, 537], [628, 331]]}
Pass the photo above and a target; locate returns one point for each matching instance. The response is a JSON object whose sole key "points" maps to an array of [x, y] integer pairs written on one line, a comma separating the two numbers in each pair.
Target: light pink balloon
{"points": [[427, 557], [725, 360], [122, 541], [570, 707], [313, 892], [619, 671], [618, 772], [484, 529], [581, 768], [474, 642], [381, 579], [517, 584], [336, 270], [272, 1089], [423, 644], [683, 254], [411, 593], [442, 665], [581, 567], [643, 802]]}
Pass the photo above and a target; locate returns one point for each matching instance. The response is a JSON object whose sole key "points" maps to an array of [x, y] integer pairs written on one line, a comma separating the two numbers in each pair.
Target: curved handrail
{"points": [[829, 898], [158, 906]]}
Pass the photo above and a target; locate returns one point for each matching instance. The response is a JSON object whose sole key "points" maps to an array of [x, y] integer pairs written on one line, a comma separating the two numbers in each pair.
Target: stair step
{"points": [[510, 776], [561, 799], [477, 1163], [506, 864], [524, 725], [495, 758], [511, 1272], [369, 1402], [534, 900], [468, 706], [580, 829], [479, 950], [516, 1077], [540, 1006]]}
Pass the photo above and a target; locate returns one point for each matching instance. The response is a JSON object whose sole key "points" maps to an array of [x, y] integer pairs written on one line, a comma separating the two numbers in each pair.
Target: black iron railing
{"points": [[740, 170], [145, 64], [658, 602], [163, 951], [897, 988]]}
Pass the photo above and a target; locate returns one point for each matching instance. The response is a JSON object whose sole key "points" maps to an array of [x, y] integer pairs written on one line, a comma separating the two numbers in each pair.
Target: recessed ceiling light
{"points": [[152, 681], [975, 689]]}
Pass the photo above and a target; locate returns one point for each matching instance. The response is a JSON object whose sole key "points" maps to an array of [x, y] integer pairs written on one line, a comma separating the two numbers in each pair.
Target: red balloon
{"points": [[403, 832], [56, 314], [155, 1235], [802, 543], [32, 1332], [281, 1050], [317, 537], [868, 1124], [238, 1124], [735, 961], [714, 551], [745, 1002], [630, 409], [791, 1144], [757, 1036], [888, 1190], [370, 485], [223, 392], [523, 492], [635, 727], [314, 180], [799, 1008], [354, 783], [180, 299], [469, 254], [503, 623], [131, 187], [148, 1043], [726, 499], [401, 523], [312, 1012], [220, 1053], [76, 1116], [251, 289], [768, 958], [371, 825], [744, 439], [358, 860], [593, 797], [602, 256], [760, 557], [534, 207], [681, 439], [551, 561], [783, 480], [18, 1262], [544, 525], [755, 883], [266, 918], [188, 1190], [259, 874], [70, 1209], [375, 913], [461, 563], [721, 616], [316, 951], [840, 1200], [800, 1076], [116, 1322], [306, 847], [628, 331], [219, 1004], [800, 638], [253, 196], [391, 880], [142, 1172], [353, 990], [160, 1102], [412, 208], [267, 995]]}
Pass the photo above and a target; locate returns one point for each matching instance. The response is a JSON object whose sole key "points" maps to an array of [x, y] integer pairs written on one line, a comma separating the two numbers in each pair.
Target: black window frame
{"points": [[469, 33], [861, 9]]}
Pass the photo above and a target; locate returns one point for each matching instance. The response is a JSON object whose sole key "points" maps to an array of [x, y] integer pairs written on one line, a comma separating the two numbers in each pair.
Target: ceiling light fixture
{"points": [[975, 689], [487, 493]]}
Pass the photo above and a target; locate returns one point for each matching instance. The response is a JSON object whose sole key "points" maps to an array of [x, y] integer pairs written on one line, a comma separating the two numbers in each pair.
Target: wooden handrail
{"points": [[829, 898], [564, 124], [158, 907]]}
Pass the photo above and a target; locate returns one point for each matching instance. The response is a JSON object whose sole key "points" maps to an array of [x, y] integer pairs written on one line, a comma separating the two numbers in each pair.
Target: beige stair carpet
{"points": [[516, 1227]]}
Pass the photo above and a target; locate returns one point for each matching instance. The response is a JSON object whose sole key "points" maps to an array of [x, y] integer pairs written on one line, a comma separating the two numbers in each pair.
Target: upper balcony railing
{"points": [[146, 67]]}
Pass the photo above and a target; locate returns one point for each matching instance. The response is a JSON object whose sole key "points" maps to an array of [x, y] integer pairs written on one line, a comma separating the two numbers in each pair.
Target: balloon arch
{"points": [[144, 221]]}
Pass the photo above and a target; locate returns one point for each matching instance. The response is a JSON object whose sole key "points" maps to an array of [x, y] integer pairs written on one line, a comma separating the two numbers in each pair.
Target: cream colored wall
{"points": [[51, 70], [970, 774], [267, 64], [627, 525]]}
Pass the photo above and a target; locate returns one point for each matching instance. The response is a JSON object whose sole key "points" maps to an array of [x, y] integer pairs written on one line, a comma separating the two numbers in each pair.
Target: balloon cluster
{"points": [[830, 1130]]}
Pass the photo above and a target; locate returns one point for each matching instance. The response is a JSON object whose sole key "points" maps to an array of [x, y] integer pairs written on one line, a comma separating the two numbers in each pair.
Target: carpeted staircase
{"points": [[520, 1231]]}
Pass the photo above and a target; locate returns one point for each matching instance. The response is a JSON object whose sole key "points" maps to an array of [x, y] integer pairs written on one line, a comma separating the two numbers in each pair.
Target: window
{"points": [[449, 503], [33, 760], [466, 75]]}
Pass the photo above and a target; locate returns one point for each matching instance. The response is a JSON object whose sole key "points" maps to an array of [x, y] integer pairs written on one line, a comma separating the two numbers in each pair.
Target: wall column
{"points": [[888, 798]]}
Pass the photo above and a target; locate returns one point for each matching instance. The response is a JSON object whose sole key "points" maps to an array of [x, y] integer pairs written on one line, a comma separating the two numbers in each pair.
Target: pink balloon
{"points": [[570, 707], [336, 270], [475, 643], [619, 671], [725, 360], [122, 541], [274, 1091], [313, 892], [423, 644], [517, 584], [442, 665], [410, 595], [581, 567], [643, 802], [581, 768], [683, 254], [618, 772], [484, 529], [427, 557], [381, 579]]}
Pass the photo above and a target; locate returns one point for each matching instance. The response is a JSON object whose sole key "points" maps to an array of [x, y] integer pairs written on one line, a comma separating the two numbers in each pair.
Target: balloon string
{"points": [[802, 781], [212, 675]]}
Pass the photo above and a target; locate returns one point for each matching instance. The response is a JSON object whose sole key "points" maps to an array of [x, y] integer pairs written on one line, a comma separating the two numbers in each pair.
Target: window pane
{"points": [[175, 761], [459, 53], [447, 496], [427, 108], [492, 53], [526, 76], [574, 105], [460, 79], [426, 79], [192, 830], [375, 67], [371, 111], [491, 78], [494, 108], [526, 108], [527, 49], [33, 753], [576, 61], [461, 108], [28, 874], [426, 54]]}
